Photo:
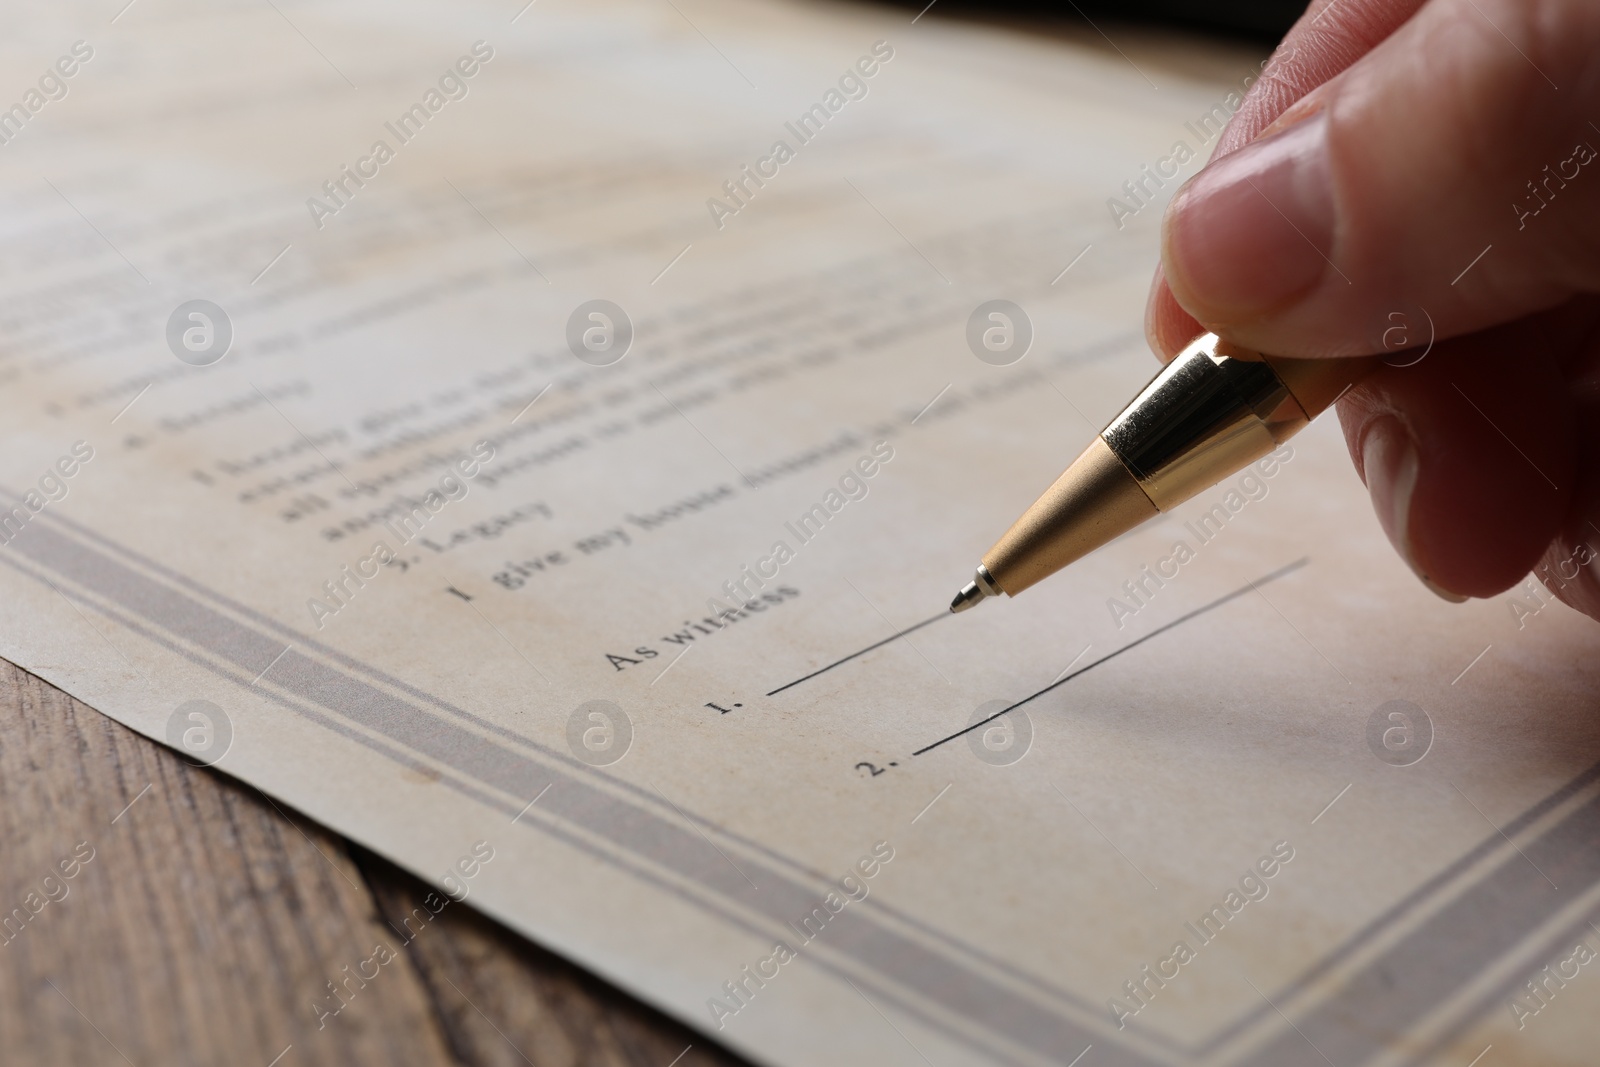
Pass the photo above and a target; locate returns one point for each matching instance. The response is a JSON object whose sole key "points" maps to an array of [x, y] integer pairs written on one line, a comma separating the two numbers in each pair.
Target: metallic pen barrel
{"points": [[1212, 411]]}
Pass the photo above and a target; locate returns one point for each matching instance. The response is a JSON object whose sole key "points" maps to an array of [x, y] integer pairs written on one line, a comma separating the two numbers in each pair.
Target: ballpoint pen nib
{"points": [[970, 594], [982, 585]]}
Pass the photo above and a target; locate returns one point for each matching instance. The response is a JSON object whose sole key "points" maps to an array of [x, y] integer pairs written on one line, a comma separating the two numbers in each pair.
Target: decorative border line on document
{"points": [[1433, 958]]}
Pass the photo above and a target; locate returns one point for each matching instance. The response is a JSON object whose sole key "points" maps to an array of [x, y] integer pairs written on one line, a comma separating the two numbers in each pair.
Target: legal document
{"points": [[540, 442]]}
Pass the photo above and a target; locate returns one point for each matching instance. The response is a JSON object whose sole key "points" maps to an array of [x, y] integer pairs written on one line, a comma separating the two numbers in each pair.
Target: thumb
{"points": [[1452, 170]]}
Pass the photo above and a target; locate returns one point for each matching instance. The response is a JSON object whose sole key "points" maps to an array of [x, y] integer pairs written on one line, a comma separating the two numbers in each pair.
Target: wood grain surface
{"points": [[152, 912]]}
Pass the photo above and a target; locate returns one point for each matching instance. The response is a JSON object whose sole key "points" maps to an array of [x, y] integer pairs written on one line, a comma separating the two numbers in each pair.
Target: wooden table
{"points": [[210, 918]]}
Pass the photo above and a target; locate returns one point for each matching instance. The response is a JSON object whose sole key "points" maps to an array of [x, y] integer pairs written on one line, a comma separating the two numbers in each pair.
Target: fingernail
{"points": [[1165, 321], [1254, 230], [1152, 312], [1389, 460]]}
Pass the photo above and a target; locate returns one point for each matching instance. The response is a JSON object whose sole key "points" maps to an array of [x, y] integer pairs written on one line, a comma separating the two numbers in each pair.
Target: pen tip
{"points": [[970, 594], [982, 585]]}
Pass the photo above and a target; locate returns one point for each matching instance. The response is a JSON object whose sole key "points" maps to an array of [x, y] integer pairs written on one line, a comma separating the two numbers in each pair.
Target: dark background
{"points": [[1263, 21]]}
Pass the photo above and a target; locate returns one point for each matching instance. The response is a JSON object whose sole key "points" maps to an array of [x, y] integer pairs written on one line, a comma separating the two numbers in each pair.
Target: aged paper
{"points": [[541, 444]]}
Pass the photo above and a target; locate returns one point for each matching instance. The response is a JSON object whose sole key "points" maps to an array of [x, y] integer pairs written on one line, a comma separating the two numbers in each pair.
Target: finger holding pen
{"points": [[1433, 160]]}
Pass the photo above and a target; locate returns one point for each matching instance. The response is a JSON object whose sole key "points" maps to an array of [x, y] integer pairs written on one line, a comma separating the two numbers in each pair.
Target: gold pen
{"points": [[1211, 412]]}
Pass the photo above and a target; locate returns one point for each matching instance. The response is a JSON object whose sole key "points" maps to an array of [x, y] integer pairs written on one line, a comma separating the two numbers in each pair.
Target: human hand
{"points": [[1416, 171]]}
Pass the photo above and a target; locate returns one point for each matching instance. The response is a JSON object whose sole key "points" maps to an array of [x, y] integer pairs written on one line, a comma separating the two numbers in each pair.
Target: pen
{"points": [[1211, 412]]}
